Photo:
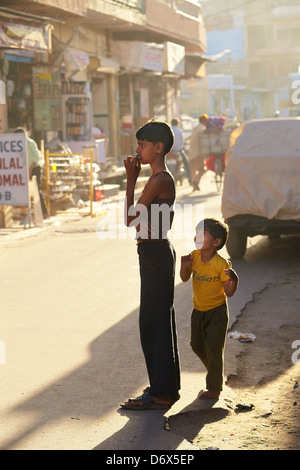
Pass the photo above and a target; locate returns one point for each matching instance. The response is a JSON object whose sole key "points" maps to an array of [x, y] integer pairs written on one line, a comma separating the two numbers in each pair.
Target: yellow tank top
{"points": [[208, 278]]}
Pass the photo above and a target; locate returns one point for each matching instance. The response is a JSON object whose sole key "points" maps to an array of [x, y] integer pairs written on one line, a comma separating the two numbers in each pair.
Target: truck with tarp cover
{"points": [[261, 193]]}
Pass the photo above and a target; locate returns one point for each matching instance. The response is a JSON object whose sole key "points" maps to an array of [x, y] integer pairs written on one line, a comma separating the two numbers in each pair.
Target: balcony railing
{"points": [[181, 20], [133, 4]]}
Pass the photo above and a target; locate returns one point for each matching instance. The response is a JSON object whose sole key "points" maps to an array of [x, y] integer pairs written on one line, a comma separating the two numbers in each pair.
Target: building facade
{"points": [[255, 45], [72, 67], [272, 50]]}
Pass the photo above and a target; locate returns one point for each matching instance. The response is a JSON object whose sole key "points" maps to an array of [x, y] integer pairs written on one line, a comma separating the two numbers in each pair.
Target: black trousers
{"points": [[157, 317]]}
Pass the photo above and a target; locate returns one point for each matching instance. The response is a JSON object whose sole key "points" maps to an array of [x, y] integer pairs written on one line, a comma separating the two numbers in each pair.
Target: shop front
{"points": [[76, 102], [24, 43], [48, 89], [148, 85], [80, 129]]}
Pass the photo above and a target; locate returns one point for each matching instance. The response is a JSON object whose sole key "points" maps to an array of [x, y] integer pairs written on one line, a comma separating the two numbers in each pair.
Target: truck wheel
{"points": [[236, 243]]}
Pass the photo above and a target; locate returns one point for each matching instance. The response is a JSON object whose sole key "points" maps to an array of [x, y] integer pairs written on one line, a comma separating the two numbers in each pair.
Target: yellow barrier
{"points": [[87, 156]]}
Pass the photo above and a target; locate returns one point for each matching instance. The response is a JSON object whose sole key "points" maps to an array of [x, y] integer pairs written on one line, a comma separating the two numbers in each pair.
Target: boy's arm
{"points": [[133, 168], [153, 188], [186, 267], [231, 285]]}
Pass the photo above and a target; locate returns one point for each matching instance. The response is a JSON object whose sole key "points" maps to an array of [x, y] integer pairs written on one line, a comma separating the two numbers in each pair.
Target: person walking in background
{"points": [[196, 160], [179, 146], [35, 159]]}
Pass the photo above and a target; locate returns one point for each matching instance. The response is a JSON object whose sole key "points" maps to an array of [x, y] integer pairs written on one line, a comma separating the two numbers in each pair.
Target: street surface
{"points": [[70, 351]]}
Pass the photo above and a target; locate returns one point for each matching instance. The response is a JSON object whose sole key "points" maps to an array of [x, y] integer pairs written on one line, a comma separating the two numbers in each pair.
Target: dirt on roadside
{"points": [[259, 408]]}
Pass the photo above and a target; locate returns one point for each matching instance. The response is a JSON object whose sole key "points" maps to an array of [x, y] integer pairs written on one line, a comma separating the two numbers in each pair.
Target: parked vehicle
{"points": [[261, 193]]}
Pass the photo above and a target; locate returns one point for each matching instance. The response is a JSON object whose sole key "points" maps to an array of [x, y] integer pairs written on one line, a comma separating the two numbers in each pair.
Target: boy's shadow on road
{"points": [[153, 430], [115, 371]]}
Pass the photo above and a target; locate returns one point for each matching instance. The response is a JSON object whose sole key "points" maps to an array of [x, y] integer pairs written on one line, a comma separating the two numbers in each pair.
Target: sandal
{"points": [[145, 402], [147, 390]]}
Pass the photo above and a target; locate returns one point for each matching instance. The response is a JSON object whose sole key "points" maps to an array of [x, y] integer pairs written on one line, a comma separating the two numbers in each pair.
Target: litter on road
{"points": [[242, 337]]}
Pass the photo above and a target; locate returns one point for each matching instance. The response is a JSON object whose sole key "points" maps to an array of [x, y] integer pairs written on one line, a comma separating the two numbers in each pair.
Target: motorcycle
{"points": [[175, 165]]}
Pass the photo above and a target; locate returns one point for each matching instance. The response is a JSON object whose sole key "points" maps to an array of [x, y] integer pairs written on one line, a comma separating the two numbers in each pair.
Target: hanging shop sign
{"points": [[20, 34], [76, 64], [13, 170]]}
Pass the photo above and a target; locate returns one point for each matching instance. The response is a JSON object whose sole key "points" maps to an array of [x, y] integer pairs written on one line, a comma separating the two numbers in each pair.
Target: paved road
{"points": [[69, 331]]}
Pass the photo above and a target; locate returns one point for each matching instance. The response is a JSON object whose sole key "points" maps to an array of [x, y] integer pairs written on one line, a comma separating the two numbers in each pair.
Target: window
{"points": [[295, 37], [257, 70], [283, 37], [256, 38]]}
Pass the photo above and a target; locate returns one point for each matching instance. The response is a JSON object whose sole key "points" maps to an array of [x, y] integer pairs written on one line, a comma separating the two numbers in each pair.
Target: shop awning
{"points": [[101, 64], [168, 59], [194, 65], [107, 65], [194, 62]]}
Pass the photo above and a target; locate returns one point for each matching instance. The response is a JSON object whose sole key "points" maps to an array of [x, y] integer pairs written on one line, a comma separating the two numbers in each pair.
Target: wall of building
{"points": [[83, 33]]}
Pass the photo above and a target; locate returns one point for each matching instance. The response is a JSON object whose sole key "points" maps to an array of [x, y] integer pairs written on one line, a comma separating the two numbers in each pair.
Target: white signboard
{"points": [[13, 170], [139, 55]]}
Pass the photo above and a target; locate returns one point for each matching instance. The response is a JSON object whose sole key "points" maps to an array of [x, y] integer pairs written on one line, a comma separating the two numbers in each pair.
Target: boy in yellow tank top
{"points": [[213, 281]]}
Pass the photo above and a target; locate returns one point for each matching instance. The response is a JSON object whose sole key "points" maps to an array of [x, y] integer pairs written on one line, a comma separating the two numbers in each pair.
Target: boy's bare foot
{"points": [[210, 395]]}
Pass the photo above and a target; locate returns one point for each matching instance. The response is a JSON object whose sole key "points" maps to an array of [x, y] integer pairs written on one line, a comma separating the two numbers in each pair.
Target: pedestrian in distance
{"points": [[213, 281], [178, 146], [196, 159], [35, 159], [152, 218]]}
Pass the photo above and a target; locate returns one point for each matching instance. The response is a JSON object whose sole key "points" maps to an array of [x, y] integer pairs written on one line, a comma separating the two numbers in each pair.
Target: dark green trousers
{"points": [[208, 337]]}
